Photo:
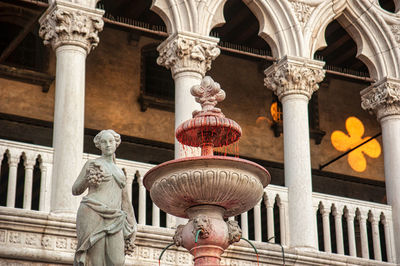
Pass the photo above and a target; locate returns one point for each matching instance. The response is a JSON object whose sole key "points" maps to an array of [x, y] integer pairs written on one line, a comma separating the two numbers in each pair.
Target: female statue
{"points": [[105, 223]]}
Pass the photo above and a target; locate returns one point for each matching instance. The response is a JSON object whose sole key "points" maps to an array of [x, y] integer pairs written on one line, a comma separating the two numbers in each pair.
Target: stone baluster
{"points": [[29, 164], [362, 220], [283, 221], [269, 203], [45, 186], [189, 56], [325, 211], [244, 225], [13, 160], [337, 214], [387, 225], [155, 219], [293, 80], [257, 222], [142, 201], [349, 214], [130, 177], [71, 29], [374, 218], [383, 98]]}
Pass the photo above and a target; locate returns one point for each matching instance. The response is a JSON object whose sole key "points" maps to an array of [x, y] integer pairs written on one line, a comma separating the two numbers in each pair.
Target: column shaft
{"points": [[68, 126], [391, 150], [185, 104], [298, 171]]}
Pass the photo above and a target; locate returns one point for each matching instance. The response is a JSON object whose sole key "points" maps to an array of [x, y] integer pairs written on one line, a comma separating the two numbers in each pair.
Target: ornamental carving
{"points": [[292, 78], [234, 231], [395, 28], [186, 54], [302, 11], [203, 224], [178, 238], [208, 94], [74, 27], [383, 99]]}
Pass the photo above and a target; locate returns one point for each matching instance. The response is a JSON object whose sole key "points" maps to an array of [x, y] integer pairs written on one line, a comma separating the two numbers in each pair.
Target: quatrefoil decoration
{"points": [[344, 142], [208, 94]]}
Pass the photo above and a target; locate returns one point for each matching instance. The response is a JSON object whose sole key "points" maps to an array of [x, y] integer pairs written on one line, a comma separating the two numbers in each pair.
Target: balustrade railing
{"points": [[345, 226]]}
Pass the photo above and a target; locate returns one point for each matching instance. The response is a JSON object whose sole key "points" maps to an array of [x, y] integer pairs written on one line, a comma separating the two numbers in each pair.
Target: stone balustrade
{"points": [[350, 232]]}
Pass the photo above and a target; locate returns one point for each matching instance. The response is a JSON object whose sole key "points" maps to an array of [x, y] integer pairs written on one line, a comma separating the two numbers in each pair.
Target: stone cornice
{"points": [[383, 98], [188, 52], [66, 23], [294, 75]]}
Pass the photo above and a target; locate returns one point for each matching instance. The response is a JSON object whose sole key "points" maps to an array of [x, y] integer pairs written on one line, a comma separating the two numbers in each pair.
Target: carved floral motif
{"points": [[61, 243], [14, 237], [302, 11], [395, 28], [61, 26], [2, 236], [383, 99], [32, 240], [208, 94], [292, 78], [182, 53]]}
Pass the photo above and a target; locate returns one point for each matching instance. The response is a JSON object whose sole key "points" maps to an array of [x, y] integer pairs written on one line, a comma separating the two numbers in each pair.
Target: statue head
{"points": [[107, 141]]}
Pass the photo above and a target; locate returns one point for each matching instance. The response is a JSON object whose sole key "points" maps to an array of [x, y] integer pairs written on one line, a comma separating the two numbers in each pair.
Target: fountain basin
{"points": [[234, 184]]}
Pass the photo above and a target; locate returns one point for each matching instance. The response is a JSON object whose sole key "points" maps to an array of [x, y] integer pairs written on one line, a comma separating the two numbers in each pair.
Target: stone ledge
{"points": [[38, 238]]}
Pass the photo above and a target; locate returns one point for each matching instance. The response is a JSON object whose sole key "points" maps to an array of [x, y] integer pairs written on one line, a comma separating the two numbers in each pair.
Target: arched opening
{"points": [[388, 5], [340, 52]]}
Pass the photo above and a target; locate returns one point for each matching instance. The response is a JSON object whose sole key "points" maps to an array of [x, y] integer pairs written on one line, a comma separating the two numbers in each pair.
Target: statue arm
{"points": [[81, 183]]}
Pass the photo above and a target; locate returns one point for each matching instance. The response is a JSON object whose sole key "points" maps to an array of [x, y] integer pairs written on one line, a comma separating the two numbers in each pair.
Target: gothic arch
{"points": [[371, 27], [278, 26], [193, 16]]}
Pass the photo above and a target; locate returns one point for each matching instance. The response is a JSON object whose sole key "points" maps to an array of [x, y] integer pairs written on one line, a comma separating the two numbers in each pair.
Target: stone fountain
{"points": [[207, 189]]}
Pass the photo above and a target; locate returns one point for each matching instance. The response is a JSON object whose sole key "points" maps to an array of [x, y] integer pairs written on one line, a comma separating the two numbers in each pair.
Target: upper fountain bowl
{"points": [[232, 183]]}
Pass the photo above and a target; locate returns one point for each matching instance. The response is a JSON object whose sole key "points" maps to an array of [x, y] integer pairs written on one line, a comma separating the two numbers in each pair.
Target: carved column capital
{"points": [[188, 52], [294, 75], [66, 23], [383, 98]]}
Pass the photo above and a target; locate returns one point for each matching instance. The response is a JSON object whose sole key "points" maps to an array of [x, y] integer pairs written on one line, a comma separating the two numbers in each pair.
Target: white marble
{"points": [[68, 126], [302, 224]]}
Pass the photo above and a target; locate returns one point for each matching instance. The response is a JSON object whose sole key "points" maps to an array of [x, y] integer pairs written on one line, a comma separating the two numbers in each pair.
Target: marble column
{"points": [[189, 57], [293, 80], [383, 98], [71, 30]]}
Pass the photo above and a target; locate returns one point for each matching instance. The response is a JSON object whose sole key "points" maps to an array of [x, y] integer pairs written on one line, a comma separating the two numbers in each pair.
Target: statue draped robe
{"points": [[105, 217]]}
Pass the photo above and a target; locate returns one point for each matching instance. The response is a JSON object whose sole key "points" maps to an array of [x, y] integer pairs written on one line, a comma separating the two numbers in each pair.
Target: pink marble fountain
{"points": [[207, 189]]}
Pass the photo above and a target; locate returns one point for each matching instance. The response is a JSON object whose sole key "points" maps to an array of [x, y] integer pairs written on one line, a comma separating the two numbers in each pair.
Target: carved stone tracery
{"points": [[184, 53], [62, 25], [302, 11], [382, 98], [294, 77], [395, 28]]}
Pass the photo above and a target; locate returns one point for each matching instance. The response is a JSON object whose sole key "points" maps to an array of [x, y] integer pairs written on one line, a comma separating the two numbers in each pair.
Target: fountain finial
{"points": [[208, 94]]}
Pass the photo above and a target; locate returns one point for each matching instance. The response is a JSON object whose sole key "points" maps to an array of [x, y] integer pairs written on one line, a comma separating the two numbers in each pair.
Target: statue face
{"points": [[107, 144]]}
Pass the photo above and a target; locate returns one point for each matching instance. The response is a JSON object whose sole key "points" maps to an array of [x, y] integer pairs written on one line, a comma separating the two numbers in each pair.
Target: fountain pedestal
{"points": [[212, 232], [207, 189]]}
